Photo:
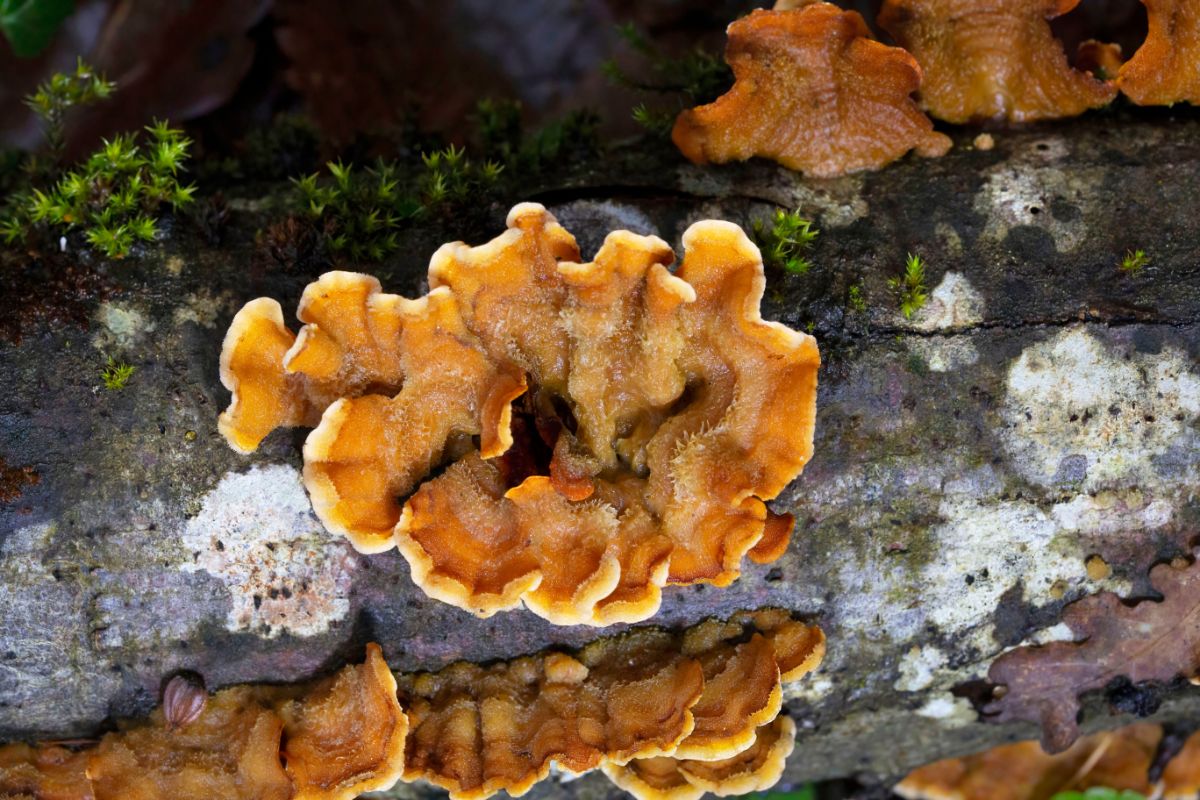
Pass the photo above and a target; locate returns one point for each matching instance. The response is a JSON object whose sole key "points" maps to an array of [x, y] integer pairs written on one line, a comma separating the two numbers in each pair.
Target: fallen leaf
{"points": [[1149, 641]]}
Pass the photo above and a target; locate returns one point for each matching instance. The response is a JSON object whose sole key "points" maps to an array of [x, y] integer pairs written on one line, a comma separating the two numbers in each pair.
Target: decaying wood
{"points": [[1043, 408]]}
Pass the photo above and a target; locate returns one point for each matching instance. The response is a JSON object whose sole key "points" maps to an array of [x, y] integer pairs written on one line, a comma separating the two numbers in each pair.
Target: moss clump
{"points": [[116, 374], [911, 291], [785, 241]]}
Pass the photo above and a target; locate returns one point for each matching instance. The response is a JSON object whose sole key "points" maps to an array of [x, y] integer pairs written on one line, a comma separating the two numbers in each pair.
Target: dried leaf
{"points": [[1149, 641]]}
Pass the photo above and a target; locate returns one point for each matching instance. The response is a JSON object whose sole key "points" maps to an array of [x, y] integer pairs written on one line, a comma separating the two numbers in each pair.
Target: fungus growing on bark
{"points": [[45, 772], [1166, 68], [647, 694], [632, 418], [757, 768], [1119, 760], [992, 59], [814, 92], [339, 737], [627, 703]]}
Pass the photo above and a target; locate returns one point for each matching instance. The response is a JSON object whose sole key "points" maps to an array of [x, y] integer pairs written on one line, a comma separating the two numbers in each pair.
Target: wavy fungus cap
{"points": [[571, 436], [699, 708], [330, 740], [1166, 68], [813, 92], [706, 700], [992, 59]]}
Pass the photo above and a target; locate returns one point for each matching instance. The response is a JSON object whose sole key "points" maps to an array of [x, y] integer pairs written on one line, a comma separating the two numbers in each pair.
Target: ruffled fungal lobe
{"points": [[754, 769], [345, 735], [339, 737], [813, 92], [992, 59], [601, 428], [622, 703], [1166, 68], [44, 772], [230, 750]]}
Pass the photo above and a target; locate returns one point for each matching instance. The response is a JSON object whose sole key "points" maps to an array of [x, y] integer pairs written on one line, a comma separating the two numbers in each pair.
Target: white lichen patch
{"points": [[953, 711], [120, 326], [1086, 413], [944, 354], [809, 690], [917, 668], [1113, 511], [952, 305], [1030, 188], [257, 534], [203, 308]]}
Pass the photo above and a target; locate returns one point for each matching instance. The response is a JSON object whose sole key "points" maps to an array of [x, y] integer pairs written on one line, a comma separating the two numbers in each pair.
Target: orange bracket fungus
{"points": [[703, 705], [663, 714], [1115, 760], [532, 407], [328, 741], [814, 92], [992, 59], [1166, 68]]}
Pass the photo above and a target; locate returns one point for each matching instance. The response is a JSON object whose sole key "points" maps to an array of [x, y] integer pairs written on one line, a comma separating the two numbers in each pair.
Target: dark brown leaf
{"points": [[1150, 641]]}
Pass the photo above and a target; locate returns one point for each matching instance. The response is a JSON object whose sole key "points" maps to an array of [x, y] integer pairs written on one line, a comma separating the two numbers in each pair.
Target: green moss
{"points": [[911, 291], [116, 374], [855, 300], [114, 197], [785, 240], [1133, 262]]}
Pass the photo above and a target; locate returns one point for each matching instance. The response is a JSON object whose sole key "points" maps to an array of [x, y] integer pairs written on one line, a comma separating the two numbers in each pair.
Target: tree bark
{"points": [[1042, 408]]}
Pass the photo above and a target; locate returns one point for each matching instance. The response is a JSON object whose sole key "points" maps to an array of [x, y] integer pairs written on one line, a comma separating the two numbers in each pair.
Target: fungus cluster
{"points": [[331, 740], [703, 705], [1128, 759], [814, 92], [986, 59], [664, 715], [569, 435], [1166, 68]]}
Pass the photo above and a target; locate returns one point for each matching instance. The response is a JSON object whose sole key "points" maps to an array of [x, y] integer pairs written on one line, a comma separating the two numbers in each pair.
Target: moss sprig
{"points": [[911, 291], [696, 77], [1134, 261], [116, 374], [785, 241], [54, 98], [114, 197]]}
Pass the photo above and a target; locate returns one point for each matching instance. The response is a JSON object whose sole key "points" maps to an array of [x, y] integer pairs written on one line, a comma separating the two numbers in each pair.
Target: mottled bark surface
{"points": [[1042, 408]]}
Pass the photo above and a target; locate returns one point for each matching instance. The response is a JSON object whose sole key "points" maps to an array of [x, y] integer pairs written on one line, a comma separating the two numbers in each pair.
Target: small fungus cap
{"points": [[813, 92]]}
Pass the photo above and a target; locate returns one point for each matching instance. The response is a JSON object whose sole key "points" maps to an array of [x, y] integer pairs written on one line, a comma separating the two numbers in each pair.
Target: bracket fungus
{"points": [[330, 740], [992, 59], [532, 406], [698, 710], [1119, 760], [814, 92], [706, 700], [1166, 68]]}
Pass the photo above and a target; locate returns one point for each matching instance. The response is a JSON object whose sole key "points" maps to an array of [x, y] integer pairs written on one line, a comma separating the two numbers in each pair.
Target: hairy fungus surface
{"points": [[328, 741], [46, 772], [1166, 68], [992, 59], [1154, 640], [1121, 760], [711, 694], [569, 435], [814, 92]]}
